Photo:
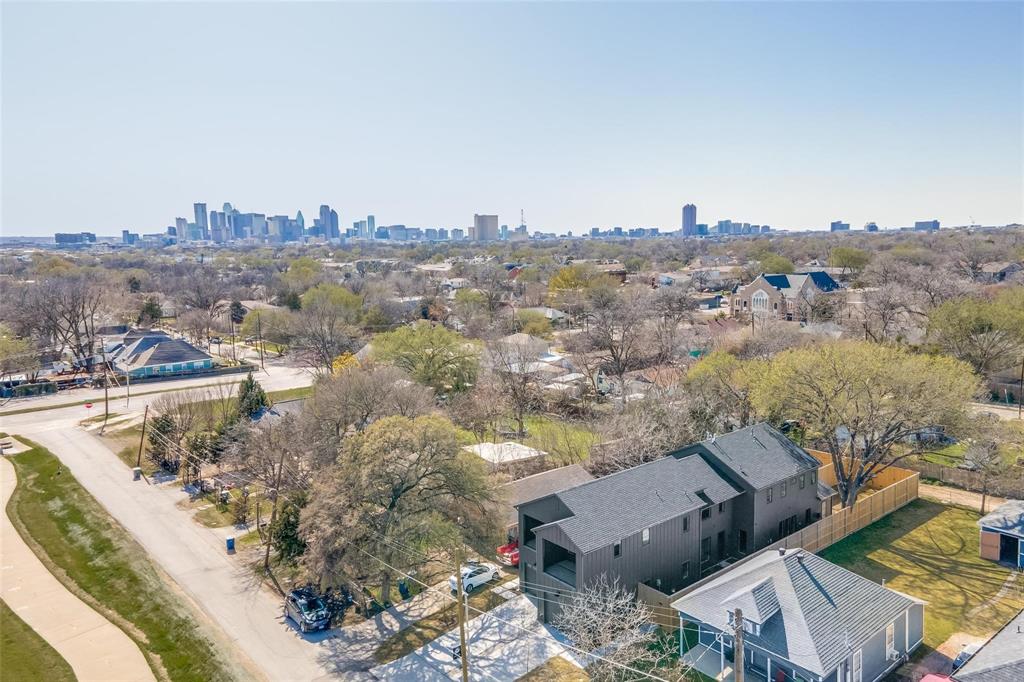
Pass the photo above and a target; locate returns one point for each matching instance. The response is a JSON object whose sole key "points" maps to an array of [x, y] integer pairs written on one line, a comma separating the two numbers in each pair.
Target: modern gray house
{"points": [[669, 522], [804, 619]]}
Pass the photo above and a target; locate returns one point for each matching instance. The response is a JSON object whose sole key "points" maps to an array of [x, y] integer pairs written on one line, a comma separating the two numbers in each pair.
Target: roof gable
{"points": [[758, 455]]}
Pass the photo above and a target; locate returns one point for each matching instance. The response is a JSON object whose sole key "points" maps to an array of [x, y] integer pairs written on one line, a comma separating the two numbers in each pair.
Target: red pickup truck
{"points": [[509, 554]]}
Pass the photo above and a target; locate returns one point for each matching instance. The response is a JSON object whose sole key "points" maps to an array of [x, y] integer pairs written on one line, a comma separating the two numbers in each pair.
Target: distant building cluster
{"points": [[230, 225]]}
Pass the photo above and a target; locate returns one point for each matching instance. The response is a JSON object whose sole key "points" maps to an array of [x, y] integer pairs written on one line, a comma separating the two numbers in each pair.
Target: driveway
{"points": [[958, 496], [504, 644], [96, 649]]}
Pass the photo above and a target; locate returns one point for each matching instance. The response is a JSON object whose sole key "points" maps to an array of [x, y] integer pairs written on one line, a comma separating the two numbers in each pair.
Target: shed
{"points": [[1002, 534]]}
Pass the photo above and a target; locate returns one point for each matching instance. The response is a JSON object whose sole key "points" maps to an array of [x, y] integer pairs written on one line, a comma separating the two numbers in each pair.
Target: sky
{"points": [[121, 115]]}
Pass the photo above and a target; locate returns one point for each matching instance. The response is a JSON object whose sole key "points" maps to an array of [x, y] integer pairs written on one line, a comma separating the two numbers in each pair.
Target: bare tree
{"points": [[642, 432], [604, 617], [515, 371], [276, 457]]}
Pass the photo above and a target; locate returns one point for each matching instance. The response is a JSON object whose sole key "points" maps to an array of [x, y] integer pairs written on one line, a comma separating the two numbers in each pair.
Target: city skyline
{"points": [[791, 113]]}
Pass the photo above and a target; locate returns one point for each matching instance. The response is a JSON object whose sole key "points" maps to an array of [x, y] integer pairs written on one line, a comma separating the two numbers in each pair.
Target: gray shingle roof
{"points": [[758, 602], [1007, 518], [759, 455], [646, 495], [824, 610], [1001, 659], [148, 349], [542, 485]]}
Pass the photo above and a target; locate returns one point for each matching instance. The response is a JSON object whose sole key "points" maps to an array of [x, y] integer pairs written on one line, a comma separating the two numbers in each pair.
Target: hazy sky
{"points": [[120, 115]]}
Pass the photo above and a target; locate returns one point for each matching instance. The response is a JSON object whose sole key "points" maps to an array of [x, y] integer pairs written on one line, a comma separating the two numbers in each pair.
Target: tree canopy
{"points": [[864, 402], [432, 355]]}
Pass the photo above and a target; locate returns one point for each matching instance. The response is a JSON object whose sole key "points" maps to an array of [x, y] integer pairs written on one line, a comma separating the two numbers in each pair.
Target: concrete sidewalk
{"points": [[96, 649]]}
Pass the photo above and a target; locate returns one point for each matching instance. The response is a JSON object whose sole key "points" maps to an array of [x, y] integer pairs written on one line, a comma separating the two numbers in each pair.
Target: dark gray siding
{"points": [[663, 557], [796, 503]]}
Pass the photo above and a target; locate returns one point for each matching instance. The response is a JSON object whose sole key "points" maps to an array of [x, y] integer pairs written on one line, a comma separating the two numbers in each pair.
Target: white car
{"points": [[474, 575]]}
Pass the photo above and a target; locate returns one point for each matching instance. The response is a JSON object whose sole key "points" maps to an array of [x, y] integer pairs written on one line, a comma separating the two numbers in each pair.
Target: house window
{"points": [[686, 570], [801, 481], [721, 507], [858, 666], [759, 301], [705, 549], [686, 524], [814, 476], [743, 541], [770, 490], [890, 637], [645, 536], [616, 549], [705, 513]]}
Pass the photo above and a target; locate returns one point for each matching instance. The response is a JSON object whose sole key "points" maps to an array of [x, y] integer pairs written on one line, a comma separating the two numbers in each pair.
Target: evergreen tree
{"points": [[251, 397]]}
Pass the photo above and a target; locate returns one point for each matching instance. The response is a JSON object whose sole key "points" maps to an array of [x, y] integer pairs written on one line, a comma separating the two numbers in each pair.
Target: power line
{"points": [[589, 655]]}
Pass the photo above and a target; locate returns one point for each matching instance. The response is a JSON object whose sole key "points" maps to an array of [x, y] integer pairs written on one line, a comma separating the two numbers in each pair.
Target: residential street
{"points": [[278, 376], [195, 557], [96, 649]]}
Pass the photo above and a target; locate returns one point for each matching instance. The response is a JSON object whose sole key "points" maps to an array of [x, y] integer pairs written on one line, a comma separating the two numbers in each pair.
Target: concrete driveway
{"points": [[504, 644]]}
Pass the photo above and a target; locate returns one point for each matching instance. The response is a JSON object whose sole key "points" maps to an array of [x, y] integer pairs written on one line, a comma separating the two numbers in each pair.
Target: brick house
{"points": [[783, 297]]}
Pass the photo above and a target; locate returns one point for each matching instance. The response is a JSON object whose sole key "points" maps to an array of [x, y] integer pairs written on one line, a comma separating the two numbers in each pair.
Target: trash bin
{"points": [[136, 473], [231, 544]]}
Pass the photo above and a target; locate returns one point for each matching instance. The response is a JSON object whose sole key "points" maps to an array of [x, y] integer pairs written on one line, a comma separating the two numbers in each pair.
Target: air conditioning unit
{"points": [[893, 655]]}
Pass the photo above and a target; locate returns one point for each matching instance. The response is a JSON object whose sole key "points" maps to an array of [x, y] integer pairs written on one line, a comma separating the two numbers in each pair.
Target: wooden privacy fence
{"points": [[892, 489]]}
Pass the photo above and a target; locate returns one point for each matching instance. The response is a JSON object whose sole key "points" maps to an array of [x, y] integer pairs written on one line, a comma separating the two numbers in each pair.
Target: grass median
{"points": [[99, 561], [26, 655]]}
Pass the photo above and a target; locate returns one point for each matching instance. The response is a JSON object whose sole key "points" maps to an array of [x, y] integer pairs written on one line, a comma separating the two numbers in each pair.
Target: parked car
{"points": [[508, 554], [216, 339], [307, 609], [475, 574], [965, 654]]}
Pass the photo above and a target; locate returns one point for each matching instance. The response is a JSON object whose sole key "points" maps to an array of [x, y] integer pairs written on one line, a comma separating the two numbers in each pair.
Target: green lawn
{"points": [[565, 442], [433, 626], [930, 551], [218, 515], [24, 655], [100, 562], [289, 393]]}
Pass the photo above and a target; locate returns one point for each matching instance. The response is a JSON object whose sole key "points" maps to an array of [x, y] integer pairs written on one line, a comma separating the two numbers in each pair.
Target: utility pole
{"points": [[1020, 390], [461, 609], [737, 656], [259, 339], [142, 438], [106, 398]]}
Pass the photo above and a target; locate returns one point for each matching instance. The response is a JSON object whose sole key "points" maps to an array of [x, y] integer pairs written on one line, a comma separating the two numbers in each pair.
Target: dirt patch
{"points": [[938, 661]]}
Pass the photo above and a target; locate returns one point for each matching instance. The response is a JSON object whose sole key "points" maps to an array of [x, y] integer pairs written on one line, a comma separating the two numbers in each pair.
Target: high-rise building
{"points": [[300, 222], [689, 220], [181, 228], [458, 234], [333, 229], [485, 227], [74, 238], [202, 222], [325, 219], [838, 226], [371, 227]]}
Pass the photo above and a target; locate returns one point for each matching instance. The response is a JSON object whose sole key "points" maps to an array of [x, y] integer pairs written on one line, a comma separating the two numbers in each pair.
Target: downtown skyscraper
{"points": [[689, 220]]}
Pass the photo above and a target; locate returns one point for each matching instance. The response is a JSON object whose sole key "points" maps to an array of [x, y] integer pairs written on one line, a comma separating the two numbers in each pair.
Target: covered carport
{"points": [[1002, 534]]}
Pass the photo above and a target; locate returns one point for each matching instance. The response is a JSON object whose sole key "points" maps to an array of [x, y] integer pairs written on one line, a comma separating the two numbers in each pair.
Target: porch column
{"points": [[768, 675], [721, 653]]}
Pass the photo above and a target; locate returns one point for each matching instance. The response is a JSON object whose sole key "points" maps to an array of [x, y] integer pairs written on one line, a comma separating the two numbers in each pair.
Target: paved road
{"points": [[277, 376], [1001, 411], [250, 616], [94, 647]]}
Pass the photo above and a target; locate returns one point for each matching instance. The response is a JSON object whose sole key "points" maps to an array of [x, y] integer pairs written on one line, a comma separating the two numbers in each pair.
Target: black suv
{"points": [[307, 609]]}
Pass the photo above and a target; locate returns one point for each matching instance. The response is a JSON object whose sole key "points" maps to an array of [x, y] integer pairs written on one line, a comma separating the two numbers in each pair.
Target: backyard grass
{"points": [[433, 626], [99, 561], [24, 655], [930, 551], [556, 669], [565, 442]]}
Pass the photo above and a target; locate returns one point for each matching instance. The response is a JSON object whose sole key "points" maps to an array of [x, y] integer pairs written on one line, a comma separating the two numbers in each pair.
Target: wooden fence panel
{"points": [[901, 490]]}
